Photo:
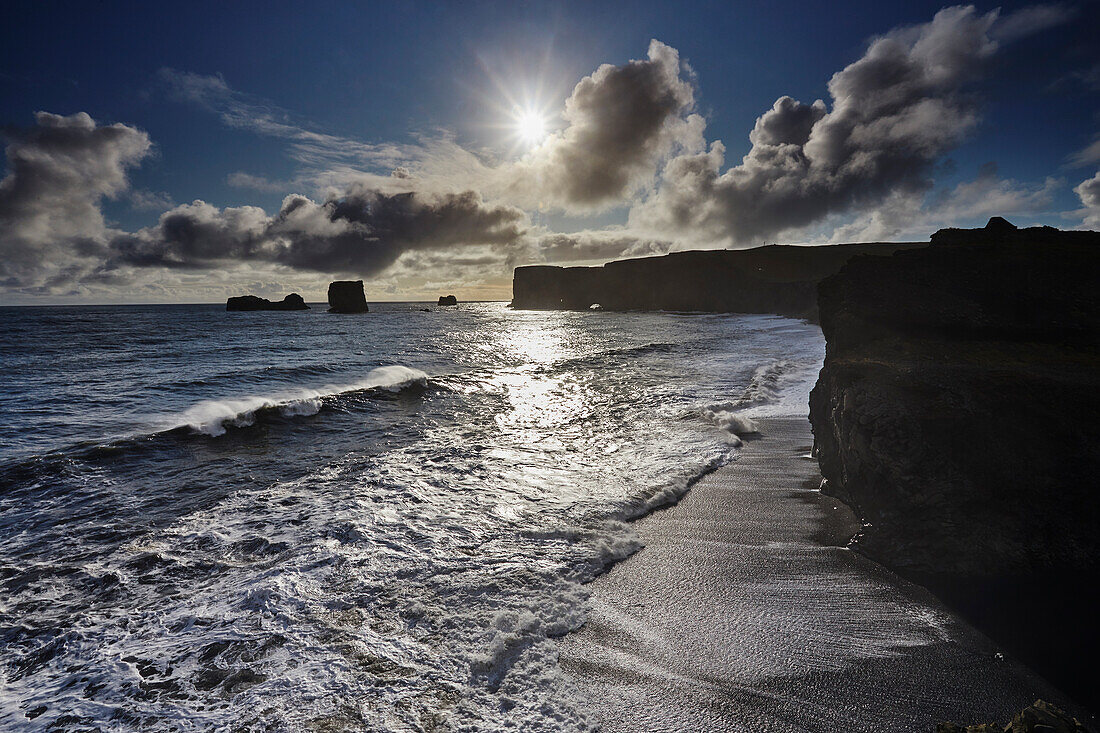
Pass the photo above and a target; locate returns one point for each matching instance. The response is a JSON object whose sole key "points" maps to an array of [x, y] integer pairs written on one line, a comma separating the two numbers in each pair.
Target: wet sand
{"points": [[745, 612]]}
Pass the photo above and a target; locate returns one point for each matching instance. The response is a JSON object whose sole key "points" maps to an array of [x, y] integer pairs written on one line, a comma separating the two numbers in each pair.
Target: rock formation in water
{"points": [[1040, 717], [778, 279], [292, 302], [448, 300], [957, 414], [347, 296]]}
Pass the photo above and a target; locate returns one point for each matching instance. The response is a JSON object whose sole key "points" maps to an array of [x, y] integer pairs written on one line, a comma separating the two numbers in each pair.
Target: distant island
{"points": [[292, 302]]}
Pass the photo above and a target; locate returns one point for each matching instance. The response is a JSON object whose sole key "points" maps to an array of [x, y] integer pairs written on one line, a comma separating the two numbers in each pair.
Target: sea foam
{"points": [[213, 417]]}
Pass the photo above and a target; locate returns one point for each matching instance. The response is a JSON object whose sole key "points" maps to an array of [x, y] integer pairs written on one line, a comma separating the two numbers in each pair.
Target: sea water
{"points": [[310, 521]]}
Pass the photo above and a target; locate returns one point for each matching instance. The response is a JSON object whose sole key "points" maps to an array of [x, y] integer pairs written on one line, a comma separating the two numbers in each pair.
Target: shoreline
{"points": [[744, 611]]}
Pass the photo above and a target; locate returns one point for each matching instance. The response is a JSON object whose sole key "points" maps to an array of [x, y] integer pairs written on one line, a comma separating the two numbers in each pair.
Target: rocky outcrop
{"points": [[292, 302], [448, 300], [957, 414], [773, 279], [1040, 717], [347, 296]]}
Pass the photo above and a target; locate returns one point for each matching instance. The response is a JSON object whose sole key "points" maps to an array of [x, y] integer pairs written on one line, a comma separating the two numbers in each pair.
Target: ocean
{"points": [[310, 521]]}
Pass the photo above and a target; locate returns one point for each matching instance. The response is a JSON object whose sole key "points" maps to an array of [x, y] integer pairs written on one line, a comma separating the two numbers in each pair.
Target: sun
{"points": [[530, 127]]}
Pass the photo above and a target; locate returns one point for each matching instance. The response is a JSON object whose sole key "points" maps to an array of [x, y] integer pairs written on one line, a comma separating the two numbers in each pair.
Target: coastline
{"points": [[745, 611]]}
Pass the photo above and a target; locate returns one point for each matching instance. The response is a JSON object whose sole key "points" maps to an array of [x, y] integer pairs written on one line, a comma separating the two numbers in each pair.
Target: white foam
{"points": [[212, 417]]}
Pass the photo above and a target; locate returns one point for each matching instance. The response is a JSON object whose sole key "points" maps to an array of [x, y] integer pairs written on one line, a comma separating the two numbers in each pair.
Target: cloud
{"points": [[1088, 155], [58, 173], [607, 244], [1030, 20], [241, 179], [316, 150], [1089, 193], [894, 112], [362, 232], [916, 215], [149, 200], [621, 122]]}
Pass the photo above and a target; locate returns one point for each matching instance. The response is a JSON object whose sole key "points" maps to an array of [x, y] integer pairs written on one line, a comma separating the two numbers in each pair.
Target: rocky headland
{"points": [[347, 296], [956, 412], [779, 279], [292, 302]]}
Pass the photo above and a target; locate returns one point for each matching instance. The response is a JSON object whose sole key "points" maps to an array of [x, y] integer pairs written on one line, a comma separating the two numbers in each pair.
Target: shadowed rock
{"points": [[778, 279], [448, 300], [1040, 717], [347, 296], [292, 302], [956, 413]]}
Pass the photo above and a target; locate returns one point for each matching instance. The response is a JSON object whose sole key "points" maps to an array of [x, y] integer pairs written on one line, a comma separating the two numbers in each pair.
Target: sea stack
{"points": [[292, 302], [448, 300], [346, 296]]}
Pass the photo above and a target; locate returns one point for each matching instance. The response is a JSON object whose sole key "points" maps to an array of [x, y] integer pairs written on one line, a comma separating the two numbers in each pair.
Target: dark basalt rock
{"points": [[957, 414], [292, 302], [1040, 717], [347, 296], [448, 300], [773, 279]]}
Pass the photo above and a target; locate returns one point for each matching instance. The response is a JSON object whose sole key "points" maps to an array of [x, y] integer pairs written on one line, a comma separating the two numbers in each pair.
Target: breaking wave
{"points": [[213, 417]]}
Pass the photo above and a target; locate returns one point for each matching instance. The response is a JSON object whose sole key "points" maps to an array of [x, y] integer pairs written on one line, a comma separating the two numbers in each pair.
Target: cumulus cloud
{"points": [[861, 162], [1089, 193], [915, 216], [621, 122], [58, 173], [894, 112], [362, 232]]}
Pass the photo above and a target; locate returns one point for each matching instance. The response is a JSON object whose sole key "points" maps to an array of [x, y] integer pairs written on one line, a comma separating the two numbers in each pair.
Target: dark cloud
{"points": [[894, 112], [58, 172], [361, 232], [621, 122]]}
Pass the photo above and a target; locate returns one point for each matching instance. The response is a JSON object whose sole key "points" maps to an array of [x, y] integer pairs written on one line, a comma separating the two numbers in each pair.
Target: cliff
{"points": [[957, 414], [347, 296], [292, 302], [778, 279]]}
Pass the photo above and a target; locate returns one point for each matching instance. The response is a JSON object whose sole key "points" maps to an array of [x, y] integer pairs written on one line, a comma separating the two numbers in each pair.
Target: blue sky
{"points": [[424, 84]]}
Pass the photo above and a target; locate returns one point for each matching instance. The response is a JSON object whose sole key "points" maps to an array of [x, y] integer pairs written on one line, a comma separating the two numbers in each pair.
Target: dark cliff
{"points": [[957, 414], [347, 296], [292, 302], [778, 279]]}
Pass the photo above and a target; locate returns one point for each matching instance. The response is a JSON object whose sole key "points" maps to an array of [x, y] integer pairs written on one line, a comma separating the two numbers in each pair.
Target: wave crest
{"points": [[214, 417]]}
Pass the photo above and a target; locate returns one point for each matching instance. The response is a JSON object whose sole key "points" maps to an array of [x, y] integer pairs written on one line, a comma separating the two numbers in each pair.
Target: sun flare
{"points": [[531, 127]]}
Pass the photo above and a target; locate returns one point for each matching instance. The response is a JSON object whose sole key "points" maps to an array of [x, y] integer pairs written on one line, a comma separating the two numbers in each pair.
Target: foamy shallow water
{"points": [[307, 521]]}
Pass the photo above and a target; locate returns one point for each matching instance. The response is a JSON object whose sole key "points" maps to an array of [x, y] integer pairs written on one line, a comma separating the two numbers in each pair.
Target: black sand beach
{"points": [[746, 612]]}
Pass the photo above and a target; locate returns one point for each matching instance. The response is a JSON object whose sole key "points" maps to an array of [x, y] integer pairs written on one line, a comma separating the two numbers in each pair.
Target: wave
{"points": [[764, 388], [213, 417]]}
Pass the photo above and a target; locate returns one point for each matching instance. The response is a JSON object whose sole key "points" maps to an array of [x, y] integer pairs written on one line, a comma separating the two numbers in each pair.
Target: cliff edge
{"points": [[956, 412], [779, 279]]}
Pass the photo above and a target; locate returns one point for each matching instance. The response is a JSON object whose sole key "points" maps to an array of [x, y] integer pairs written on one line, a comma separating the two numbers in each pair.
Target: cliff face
{"points": [[957, 414], [773, 279]]}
